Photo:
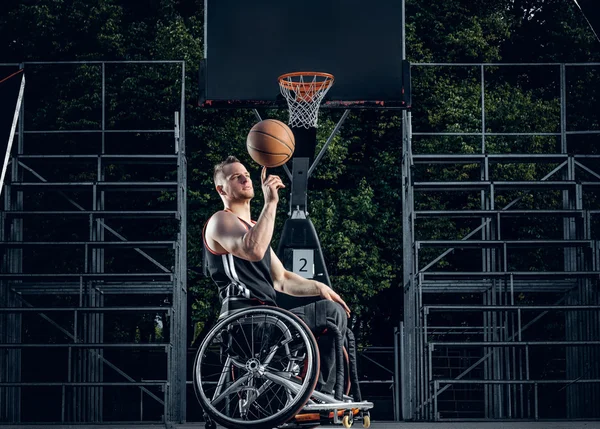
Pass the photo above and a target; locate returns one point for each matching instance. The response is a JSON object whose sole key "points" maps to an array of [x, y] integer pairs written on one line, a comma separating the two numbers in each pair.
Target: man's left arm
{"points": [[291, 283]]}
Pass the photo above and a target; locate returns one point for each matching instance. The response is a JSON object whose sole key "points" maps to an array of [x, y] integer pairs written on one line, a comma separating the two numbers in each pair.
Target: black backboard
{"points": [[249, 43]]}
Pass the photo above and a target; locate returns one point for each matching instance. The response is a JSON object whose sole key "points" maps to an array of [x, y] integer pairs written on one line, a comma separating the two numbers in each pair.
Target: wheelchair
{"points": [[258, 368]]}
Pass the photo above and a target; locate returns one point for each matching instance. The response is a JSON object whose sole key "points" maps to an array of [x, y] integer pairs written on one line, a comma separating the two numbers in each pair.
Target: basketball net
{"points": [[304, 92]]}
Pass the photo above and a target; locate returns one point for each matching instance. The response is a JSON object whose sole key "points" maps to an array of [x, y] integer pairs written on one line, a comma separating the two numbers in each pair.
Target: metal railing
{"points": [[73, 306], [489, 265]]}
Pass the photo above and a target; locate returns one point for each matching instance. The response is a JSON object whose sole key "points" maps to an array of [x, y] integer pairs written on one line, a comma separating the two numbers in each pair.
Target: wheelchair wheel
{"points": [[256, 368]]}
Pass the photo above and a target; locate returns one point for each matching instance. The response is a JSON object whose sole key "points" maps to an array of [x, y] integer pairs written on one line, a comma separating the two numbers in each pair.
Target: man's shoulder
{"points": [[216, 218], [221, 216], [223, 221]]}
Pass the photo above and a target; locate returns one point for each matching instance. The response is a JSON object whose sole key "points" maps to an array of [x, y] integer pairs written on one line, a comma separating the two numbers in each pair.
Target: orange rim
{"points": [[327, 79]]}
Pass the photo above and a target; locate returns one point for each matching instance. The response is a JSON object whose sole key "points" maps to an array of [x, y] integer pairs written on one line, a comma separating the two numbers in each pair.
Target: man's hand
{"points": [[327, 293], [270, 186]]}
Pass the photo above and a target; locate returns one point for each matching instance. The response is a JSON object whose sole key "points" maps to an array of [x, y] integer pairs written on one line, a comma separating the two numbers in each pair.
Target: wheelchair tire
{"points": [[256, 368]]}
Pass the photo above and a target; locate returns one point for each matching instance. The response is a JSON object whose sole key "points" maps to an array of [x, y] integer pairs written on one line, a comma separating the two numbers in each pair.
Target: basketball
{"points": [[270, 143]]}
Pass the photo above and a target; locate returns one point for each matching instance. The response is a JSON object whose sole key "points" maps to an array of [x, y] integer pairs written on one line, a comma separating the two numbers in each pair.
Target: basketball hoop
{"points": [[304, 92]]}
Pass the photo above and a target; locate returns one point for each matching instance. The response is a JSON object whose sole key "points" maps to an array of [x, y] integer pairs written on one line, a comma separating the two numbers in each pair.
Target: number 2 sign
{"points": [[304, 263]]}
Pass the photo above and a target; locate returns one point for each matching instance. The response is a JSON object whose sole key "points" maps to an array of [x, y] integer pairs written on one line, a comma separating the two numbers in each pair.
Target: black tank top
{"points": [[241, 283]]}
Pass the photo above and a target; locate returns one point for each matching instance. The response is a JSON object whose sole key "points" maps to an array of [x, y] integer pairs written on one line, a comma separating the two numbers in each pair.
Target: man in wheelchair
{"points": [[259, 367]]}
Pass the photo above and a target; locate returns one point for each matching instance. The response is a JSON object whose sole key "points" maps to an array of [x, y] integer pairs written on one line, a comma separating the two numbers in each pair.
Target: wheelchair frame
{"points": [[258, 368]]}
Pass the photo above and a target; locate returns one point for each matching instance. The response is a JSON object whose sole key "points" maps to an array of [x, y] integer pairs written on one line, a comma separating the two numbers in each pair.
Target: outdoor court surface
{"points": [[374, 425]]}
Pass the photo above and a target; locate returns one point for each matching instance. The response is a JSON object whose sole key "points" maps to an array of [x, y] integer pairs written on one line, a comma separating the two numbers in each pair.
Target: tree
{"points": [[354, 195]]}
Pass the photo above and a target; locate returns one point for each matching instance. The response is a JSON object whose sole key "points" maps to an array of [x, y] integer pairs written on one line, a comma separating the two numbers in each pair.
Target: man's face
{"points": [[236, 183]]}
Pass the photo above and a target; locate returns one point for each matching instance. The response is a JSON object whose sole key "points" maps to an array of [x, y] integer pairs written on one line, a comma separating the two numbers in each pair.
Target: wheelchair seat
{"points": [[258, 368]]}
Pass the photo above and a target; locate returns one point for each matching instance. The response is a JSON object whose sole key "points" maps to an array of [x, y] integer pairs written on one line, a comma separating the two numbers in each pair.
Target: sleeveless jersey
{"points": [[241, 283]]}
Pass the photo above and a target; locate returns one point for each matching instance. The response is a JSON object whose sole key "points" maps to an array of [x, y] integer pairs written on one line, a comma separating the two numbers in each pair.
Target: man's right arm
{"points": [[233, 237], [226, 230]]}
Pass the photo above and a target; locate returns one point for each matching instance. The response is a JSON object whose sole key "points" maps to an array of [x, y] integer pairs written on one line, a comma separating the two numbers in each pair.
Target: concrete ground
{"points": [[374, 425]]}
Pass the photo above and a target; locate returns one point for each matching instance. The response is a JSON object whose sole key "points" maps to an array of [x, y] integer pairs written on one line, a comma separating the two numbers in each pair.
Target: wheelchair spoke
{"points": [[265, 327], [234, 388], [287, 361], [252, 405], [243, 331], [218, 367], [269, 357], [252, 335], [279, 340], [276, 395], [222, 377], [269, 385], [264, 387], [257, 416], [239, 345]]}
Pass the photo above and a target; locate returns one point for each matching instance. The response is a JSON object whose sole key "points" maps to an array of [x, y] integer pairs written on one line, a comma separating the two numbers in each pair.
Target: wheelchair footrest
{"points": [[332, 406]]}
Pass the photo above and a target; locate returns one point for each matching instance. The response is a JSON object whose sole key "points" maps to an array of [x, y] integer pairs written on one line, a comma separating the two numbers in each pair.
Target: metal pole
{"points": [[536, 405], [402, 379], [329, 140], [563, 110], [182, 275], [103, 149], [397, 374], [435, 400], [403, 30], [482, 109], [17, 260]]}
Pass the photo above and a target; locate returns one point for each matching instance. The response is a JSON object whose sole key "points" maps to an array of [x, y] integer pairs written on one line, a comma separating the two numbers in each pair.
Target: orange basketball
{"points": [[270, 143]]}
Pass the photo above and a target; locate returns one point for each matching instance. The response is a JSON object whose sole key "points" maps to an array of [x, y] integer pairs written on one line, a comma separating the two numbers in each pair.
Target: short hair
{"points": [[219, 167]]}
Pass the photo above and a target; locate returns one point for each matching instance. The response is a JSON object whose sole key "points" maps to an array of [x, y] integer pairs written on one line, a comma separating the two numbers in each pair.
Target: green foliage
{"points": [[355, 193]]}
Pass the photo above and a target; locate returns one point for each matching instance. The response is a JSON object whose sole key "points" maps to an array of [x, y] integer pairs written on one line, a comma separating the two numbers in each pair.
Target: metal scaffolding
{"points": [[501, 269], [502, 254], [93, 237]]}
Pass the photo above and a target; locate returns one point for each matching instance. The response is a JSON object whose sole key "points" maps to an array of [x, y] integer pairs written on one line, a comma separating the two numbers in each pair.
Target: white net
{"points": [[304, 93]]}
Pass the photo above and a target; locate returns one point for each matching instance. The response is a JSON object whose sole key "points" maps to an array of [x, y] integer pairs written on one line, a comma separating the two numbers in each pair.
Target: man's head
{"points": [[218, 175], [232, 180]]}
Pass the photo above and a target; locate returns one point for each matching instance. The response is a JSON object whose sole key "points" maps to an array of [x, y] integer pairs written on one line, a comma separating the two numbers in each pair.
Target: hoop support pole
{"points": [[329, 140]]}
